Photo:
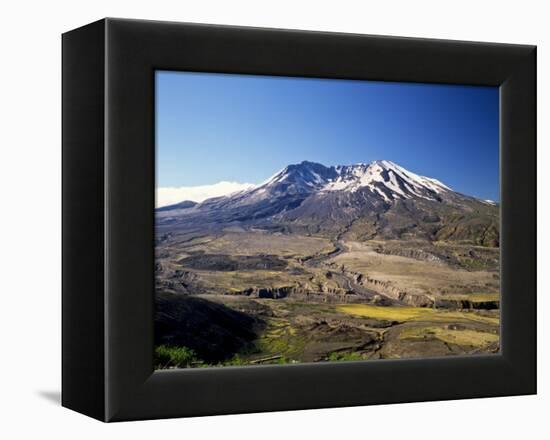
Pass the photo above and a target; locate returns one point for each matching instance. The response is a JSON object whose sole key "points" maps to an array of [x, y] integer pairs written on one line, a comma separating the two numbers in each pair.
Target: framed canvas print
{"points": [[261, 220]]}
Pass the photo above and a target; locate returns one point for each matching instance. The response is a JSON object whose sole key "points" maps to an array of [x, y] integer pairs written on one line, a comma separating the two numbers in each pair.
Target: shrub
{"points": [[167, 356], [339, 356]]}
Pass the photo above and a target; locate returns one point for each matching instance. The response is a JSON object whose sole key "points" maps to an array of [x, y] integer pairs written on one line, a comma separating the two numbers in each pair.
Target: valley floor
{"points": [[241, 296]]}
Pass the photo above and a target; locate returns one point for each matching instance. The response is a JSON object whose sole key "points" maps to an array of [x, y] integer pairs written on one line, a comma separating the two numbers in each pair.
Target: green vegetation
{"points": [[473, 264], [167, 356], [285, 360], [235, 361], [476, 297], [182, 357], [344, 356], [280, 338], [404, 314], [463, 337]]}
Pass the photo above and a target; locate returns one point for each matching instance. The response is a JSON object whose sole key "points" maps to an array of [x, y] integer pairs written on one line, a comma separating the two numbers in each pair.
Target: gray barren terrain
{"points": [[326, 264]]}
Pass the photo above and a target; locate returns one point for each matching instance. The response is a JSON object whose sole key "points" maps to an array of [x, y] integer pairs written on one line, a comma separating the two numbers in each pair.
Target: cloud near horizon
{"points": [[170, 195]]}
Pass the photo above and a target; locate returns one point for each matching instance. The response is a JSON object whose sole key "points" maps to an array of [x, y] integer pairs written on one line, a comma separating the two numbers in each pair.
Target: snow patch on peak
{"points": [[401, 183]]}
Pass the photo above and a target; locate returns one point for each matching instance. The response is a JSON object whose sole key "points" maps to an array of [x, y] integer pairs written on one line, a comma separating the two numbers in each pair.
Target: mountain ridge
{"points": [[388, 200]]}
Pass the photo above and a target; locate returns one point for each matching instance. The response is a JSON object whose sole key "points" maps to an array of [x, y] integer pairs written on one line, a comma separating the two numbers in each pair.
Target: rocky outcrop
{"points": [[266, 292], [467, 304], [417, 254], [302, 293], [388, 289], [416, 300]]}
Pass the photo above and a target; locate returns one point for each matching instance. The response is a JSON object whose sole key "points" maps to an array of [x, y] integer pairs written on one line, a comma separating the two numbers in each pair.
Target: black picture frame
{"points": [[108, 219]]}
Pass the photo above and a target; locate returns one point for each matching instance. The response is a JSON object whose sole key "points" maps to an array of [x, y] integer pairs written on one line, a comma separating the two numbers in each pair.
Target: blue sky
{"points": [[244, 128]]}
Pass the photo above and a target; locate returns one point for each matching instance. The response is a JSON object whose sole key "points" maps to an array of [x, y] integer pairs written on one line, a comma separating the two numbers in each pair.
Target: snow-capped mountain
{"points": [[383, 178], [386, 197]]}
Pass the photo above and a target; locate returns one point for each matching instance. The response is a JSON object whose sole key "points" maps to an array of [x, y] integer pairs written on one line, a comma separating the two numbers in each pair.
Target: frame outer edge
{"points": [[136, 394], [83, 341], [519, 130], [106, 387]]}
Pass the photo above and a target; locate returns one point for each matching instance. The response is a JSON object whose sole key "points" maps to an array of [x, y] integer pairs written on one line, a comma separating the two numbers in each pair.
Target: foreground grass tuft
{"points": [[340, 356], [167, 356]]}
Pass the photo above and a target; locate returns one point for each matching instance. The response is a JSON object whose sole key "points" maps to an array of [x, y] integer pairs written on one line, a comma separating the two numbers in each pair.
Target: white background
{"points": [[30, 175]]}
